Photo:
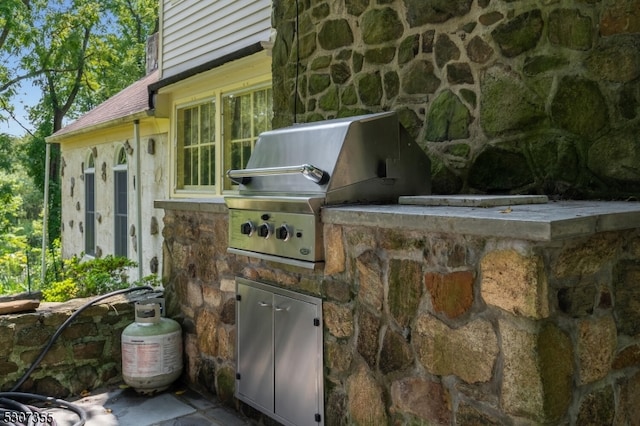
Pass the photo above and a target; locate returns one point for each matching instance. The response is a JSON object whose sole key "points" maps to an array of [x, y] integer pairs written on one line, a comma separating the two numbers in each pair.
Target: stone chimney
{"points": [[152, 53]]}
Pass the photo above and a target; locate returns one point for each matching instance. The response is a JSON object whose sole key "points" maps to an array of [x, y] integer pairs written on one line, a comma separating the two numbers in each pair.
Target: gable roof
{"points": [[128, 102]]}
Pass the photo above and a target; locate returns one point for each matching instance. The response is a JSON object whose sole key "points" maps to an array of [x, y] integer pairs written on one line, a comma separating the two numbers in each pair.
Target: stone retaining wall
{"points": [[507, 96], [439, 328], [85, 356]]}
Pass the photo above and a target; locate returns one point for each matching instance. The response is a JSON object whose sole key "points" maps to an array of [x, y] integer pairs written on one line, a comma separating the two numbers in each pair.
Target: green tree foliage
{"points": [[73, 55], [20, 206], [76, 53]]}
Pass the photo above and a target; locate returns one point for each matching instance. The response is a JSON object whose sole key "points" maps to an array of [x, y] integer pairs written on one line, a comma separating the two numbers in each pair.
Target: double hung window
{"points": [[212, 139], [197, 145]]}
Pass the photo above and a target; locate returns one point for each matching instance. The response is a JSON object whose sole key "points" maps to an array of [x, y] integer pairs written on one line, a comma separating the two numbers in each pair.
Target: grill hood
{"points": [[362, 159]]}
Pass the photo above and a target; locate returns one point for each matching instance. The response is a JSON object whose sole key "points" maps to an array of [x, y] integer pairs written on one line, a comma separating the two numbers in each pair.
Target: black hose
{"points": [[16, 413]]}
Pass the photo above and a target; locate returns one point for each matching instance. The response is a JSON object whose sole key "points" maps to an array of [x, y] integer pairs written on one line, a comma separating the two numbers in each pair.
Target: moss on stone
{"points": [[330, 101], [391, 84], [556, 370], [569, 28], [543, 63], [318, 83], [405, 289], [459, 150], [381, 25], [320, 62], [306, 45], [226, 384], [520, 34], [507, 104], [383, 55], [370, 89], [335, 34], [349, 96], [448, 118], [357, 60], [409, 49], [321, 11], [419, 78], [579, 107], [420, 12], [352, 112], [356, 7]]}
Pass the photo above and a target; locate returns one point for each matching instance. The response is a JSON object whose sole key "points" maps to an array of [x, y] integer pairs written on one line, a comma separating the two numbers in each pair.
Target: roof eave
{"points": [[55, 138]]}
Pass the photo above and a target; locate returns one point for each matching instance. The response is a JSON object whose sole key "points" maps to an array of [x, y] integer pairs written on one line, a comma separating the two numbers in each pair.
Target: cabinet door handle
{"points": [[263, 304], [279, 309]]}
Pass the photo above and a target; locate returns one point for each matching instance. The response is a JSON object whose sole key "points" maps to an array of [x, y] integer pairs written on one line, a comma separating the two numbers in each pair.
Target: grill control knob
{"points": [[284, 232], [247, 228], [265, 230]]}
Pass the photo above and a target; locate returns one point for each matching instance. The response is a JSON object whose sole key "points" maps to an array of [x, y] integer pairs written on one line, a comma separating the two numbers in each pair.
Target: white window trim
{"points": [[92, 171], [216, 96]]}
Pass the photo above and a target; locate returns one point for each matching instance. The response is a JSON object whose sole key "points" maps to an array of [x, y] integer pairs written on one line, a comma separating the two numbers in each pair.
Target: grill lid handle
{"points": [[312, 173]]}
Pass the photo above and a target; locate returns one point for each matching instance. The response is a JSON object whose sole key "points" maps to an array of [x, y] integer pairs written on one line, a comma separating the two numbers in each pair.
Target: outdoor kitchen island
{"points": [[499, 314]]}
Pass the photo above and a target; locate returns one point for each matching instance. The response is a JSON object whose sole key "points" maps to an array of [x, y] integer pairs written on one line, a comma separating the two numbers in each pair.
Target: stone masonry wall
{"points": [[86, 355], [506, 96], [200, 295], [433, 328]]}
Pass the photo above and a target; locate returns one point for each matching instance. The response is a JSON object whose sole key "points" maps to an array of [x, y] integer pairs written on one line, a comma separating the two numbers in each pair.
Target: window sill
{"points": [[212, 204]]}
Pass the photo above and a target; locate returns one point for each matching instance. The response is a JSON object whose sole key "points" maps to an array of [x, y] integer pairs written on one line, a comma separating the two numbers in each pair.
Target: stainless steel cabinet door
{"points": [[255, 346], [298, 357]]}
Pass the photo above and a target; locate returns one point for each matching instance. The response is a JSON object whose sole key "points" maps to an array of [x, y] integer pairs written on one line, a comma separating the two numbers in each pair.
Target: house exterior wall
{"points": [[195, 32], [232, 77], [154, 179]]}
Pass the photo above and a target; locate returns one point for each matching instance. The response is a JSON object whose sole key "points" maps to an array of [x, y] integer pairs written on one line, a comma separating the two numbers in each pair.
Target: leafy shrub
{"points": [[85, 278], [60, 291]]}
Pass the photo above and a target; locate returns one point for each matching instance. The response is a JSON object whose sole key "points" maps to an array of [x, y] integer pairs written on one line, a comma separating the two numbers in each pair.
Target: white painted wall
{"points": [[197, 31], [154, 186]]}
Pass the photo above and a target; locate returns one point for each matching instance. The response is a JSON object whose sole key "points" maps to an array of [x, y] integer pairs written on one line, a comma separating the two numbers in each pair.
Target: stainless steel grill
{"points": [[295, 171]]}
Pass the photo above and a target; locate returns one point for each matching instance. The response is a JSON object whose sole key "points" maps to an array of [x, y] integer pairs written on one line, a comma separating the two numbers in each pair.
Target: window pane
{"points": [[194, 167], [244, 117], [236, 156], [89, 214], [260, 116], [194, 135], [196, 142], [205, 168], [122, 156], [186, 167], [235, 109], [120, 216], [246, 153]]}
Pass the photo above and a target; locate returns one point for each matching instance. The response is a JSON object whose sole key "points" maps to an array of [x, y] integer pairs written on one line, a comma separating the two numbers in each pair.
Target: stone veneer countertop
{"points": [[481, 215], [549, 221]]}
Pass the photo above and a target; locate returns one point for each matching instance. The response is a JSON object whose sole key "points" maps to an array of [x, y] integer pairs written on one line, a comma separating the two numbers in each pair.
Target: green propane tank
{"points": [[151, 349]]}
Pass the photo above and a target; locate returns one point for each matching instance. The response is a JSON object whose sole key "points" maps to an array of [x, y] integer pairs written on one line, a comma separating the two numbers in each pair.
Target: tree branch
{"points": [[6, 109], [32, 74]]}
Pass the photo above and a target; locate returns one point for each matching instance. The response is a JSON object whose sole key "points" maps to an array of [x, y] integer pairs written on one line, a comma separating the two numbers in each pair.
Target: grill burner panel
{"points": [[295, 171], [292, 235]]}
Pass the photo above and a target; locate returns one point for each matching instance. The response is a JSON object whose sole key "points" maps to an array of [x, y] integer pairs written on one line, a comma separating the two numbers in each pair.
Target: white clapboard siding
{"points": [[199, 31]]}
